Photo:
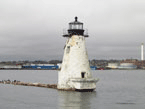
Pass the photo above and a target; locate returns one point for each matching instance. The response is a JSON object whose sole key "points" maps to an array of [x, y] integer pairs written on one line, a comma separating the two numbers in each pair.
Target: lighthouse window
{"points": [[74, 26], [77, 26], [68, 49], [83, 74]]}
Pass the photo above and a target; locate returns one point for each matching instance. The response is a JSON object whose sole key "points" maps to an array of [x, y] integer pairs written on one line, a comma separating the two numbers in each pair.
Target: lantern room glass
{"points": [[76, 26]]}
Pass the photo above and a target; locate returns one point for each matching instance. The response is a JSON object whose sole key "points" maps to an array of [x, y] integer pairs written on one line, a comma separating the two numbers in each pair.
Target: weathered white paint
{"points": [[75, 61]]}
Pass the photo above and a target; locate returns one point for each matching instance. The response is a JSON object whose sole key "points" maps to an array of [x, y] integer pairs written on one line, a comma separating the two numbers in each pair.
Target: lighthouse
{"points": [[75, 73], [142, 55]]}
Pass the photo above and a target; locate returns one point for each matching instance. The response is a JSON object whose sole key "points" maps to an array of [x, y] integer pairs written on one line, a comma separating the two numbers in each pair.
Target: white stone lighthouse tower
{"points": [[142, 55], [75, 71]]}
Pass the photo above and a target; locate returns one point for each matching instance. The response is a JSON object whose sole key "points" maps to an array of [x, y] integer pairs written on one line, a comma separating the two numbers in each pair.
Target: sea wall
{"points": [[16, 82]]}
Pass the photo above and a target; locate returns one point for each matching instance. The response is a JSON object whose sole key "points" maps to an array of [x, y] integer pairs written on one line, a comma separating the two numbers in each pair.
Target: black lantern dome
{"points": [[75, 28]]}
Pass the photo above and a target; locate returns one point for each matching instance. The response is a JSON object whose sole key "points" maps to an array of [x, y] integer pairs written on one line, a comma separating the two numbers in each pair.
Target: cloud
{"points": [[34, 28]]}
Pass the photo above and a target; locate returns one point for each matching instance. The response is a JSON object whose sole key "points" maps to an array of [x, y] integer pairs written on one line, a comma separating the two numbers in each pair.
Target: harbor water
{"points": [[117, 89]]}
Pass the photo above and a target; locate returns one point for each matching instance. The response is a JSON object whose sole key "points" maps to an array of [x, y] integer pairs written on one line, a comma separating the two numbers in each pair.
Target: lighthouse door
{"points": [[83, 74]]}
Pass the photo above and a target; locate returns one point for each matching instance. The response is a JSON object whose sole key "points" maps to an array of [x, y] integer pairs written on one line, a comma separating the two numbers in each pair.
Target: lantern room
{"points": [[75, 28], [76, 24]]}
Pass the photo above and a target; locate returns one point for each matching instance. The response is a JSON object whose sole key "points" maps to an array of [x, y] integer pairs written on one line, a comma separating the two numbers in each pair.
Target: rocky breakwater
{"points": [[16, 82]]}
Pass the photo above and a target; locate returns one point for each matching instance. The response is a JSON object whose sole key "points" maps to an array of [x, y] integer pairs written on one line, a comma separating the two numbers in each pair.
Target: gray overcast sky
{"points": [[32, 29]]}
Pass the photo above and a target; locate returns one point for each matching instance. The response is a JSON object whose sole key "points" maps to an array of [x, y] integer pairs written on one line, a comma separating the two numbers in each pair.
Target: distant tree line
{"points": [[30, 62]]}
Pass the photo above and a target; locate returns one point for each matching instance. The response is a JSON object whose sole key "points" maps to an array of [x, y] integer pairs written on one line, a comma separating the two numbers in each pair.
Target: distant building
{"points": [[93, 67], [127, 66], [41, 66], [10, 66], [112, 65], [139, 64]]}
